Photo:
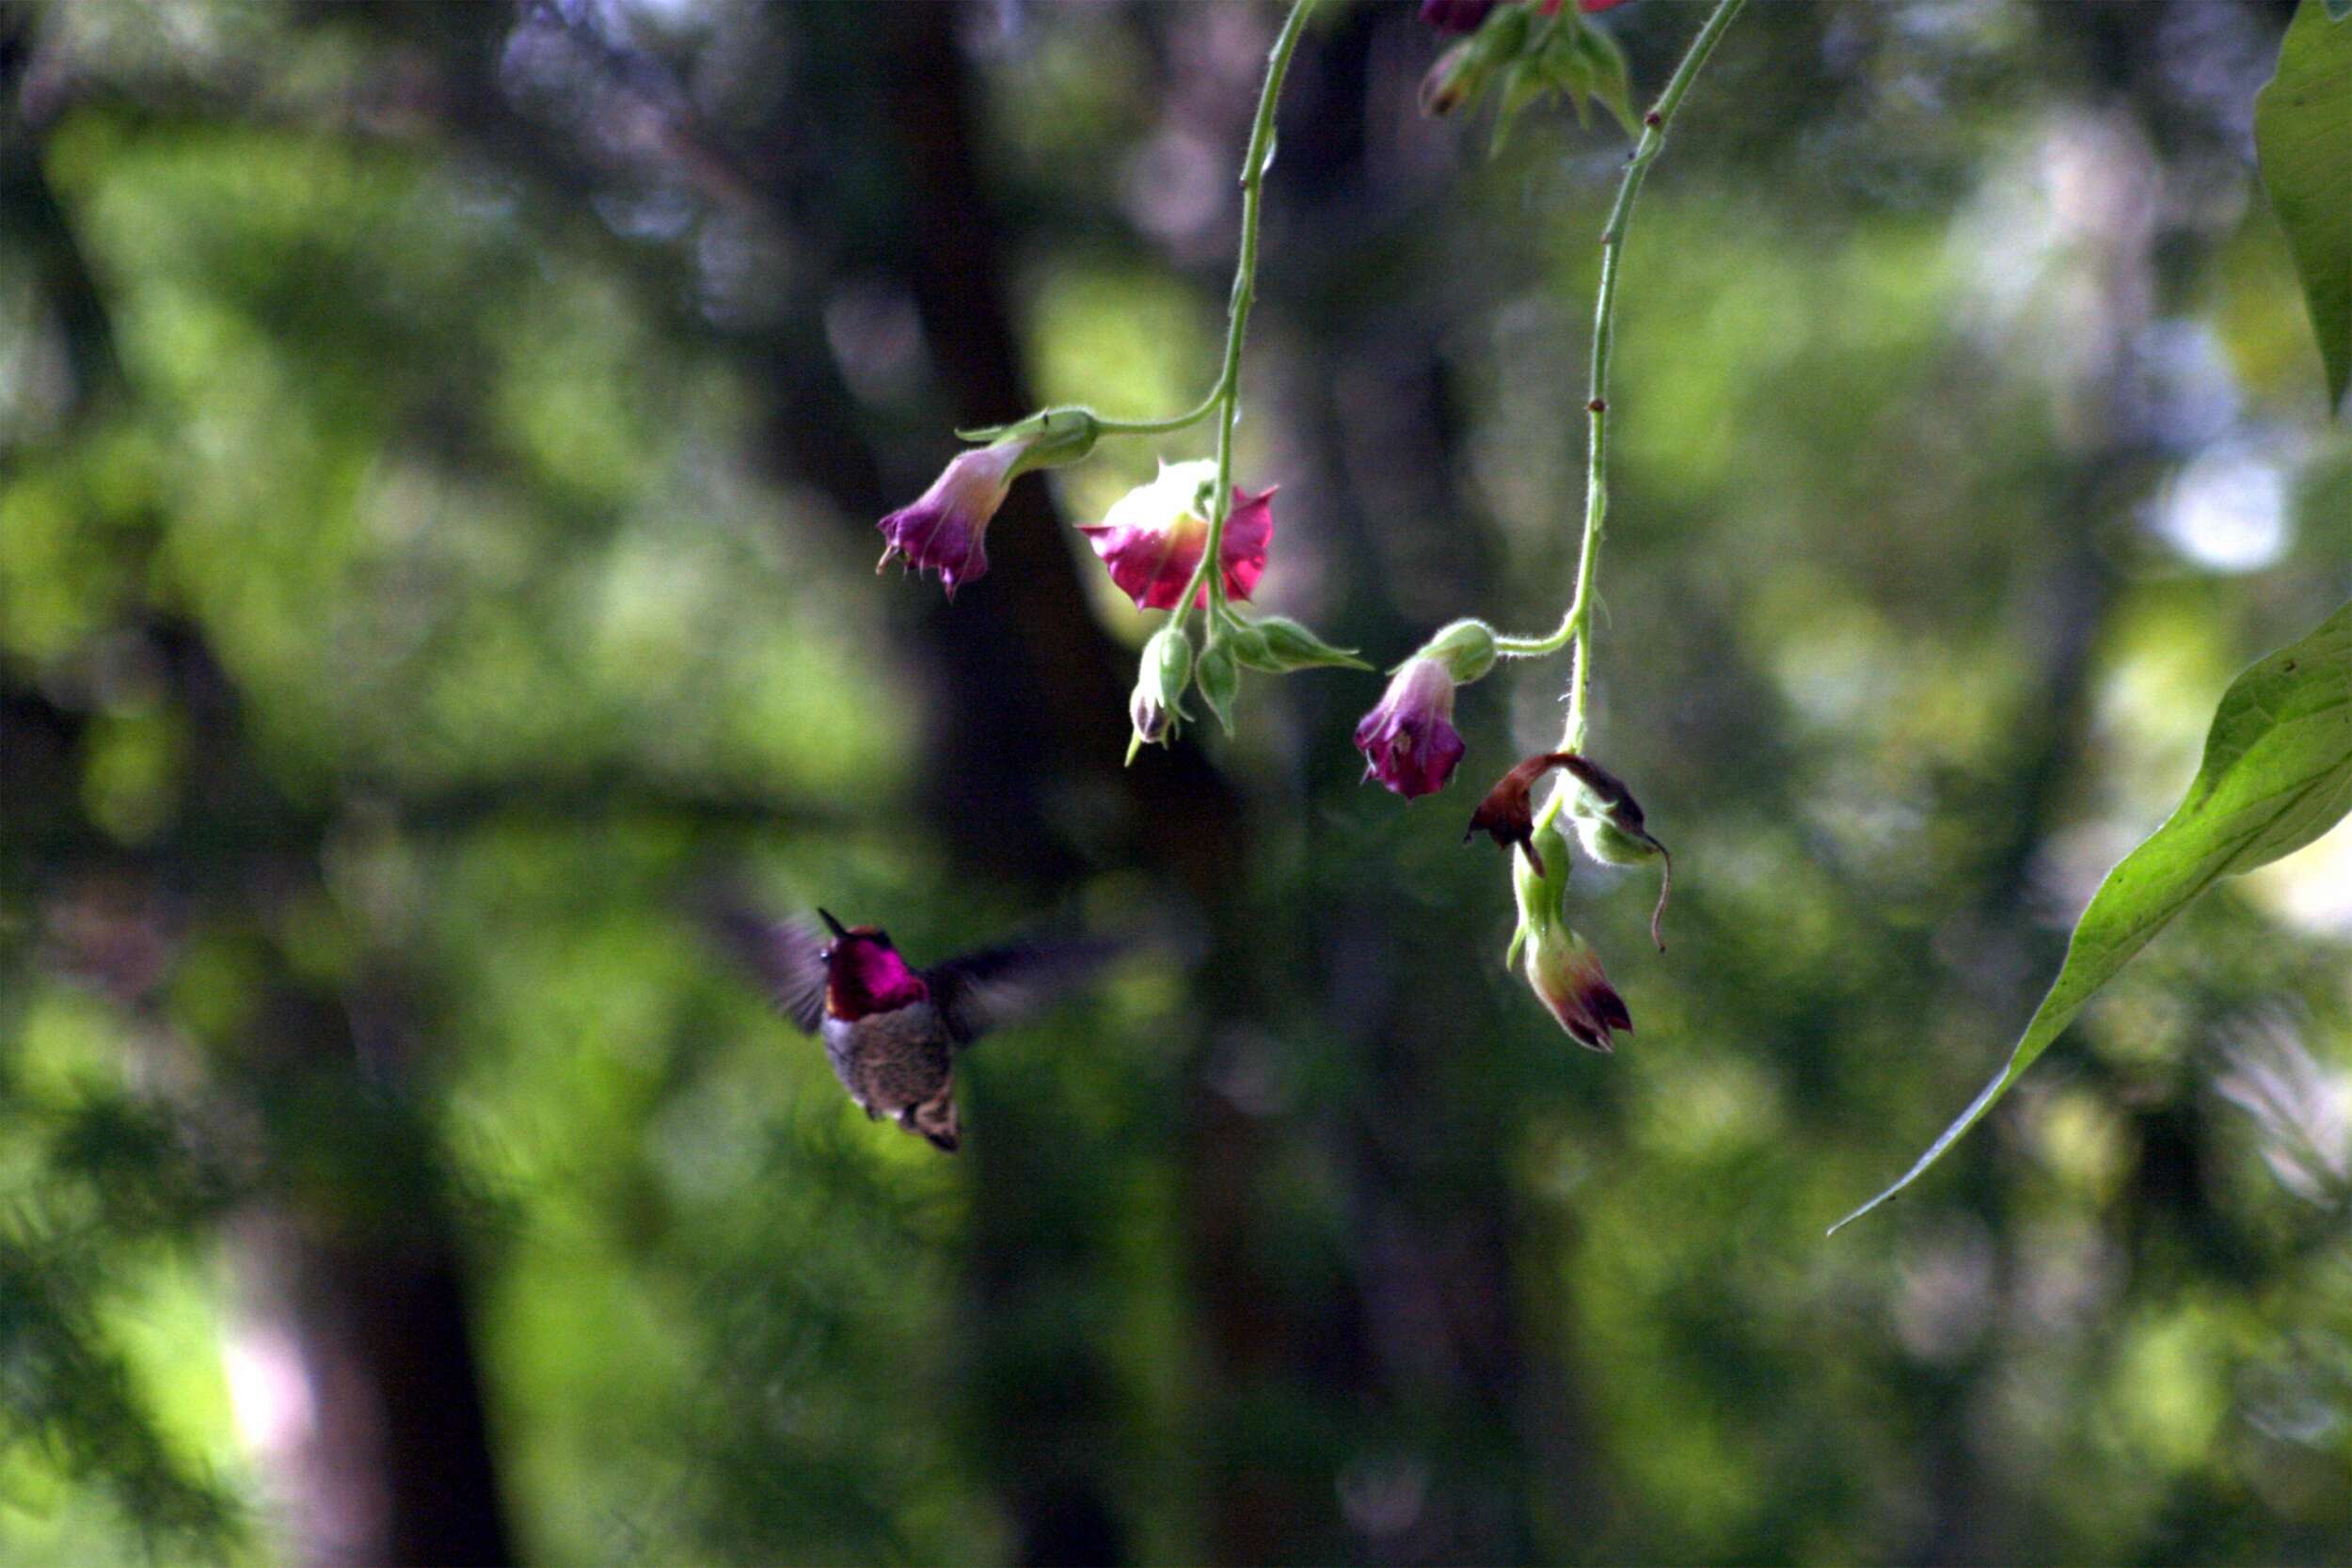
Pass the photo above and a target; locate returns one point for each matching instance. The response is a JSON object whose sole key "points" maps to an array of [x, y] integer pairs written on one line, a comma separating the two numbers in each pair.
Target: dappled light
{"points": [[735, 742]]}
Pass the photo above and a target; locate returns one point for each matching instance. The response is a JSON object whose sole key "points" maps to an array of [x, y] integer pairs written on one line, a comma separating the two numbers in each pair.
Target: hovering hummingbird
{"points": [[892, 1031]]}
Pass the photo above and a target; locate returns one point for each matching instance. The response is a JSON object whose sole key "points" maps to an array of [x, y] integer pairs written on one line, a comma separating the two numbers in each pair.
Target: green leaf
{"points": [[2303, 132], [1606, 77], [1524, 84], [2276, 775]]}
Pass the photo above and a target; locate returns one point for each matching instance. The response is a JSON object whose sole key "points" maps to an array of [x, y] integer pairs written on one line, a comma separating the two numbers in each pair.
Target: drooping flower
{"points": [[1409, 739], [1455, 16], [1153, 536], [1566, 977], [1609, 821], [1507, 815], [944, 531]]}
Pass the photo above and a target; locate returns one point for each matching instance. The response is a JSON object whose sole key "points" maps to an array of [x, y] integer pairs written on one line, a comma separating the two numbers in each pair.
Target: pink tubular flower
{"points": [[943, 531], [1455, 16], [1566, 977], [1408, 740], [1153, 536]]}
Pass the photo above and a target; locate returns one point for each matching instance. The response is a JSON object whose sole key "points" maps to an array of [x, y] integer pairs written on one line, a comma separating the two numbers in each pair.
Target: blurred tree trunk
{"points": [[354, 1367], [355, 1291], [376, 1446]]}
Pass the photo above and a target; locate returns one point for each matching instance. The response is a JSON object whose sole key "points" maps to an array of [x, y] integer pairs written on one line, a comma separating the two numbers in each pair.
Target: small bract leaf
{"points": [[2303, 132], [1606, 77], [2277, 774]]}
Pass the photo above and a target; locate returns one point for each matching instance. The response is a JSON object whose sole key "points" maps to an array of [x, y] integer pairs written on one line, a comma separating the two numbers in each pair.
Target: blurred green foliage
{"points": [[1968, 443]]}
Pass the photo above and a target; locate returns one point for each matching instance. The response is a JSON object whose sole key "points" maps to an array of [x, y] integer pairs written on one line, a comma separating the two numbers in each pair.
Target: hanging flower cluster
{"points": [[1192, 543], [1526, 51]]}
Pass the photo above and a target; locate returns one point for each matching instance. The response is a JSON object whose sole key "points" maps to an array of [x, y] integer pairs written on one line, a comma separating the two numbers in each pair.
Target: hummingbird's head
{"points": [[864, 973]]}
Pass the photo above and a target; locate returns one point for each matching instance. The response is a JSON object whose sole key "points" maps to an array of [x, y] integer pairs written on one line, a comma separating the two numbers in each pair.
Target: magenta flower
{"points": [[1566, 977], [1408, 741], [1153, 536], [1455, 16], [944, 531]]}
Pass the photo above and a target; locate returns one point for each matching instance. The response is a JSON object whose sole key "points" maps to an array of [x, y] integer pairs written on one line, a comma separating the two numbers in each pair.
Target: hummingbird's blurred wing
{"points": [[787, 954], [982, 991]]}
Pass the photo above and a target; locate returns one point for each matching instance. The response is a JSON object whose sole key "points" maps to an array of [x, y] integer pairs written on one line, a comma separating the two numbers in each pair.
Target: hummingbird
{"points": [[892, 1031]]}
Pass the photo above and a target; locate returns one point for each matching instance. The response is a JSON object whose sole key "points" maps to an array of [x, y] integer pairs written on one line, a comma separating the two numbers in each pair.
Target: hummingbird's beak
{"points": [[830, 924]]}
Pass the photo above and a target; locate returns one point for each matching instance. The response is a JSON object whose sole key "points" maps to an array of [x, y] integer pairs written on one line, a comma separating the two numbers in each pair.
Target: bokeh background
{"points": [[440, 450]]}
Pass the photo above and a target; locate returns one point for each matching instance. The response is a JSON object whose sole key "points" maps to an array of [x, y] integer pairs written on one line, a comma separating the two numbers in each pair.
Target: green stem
{"points": [[1223, 393], [1186, 420], [1577, 624], [1224, 398]]}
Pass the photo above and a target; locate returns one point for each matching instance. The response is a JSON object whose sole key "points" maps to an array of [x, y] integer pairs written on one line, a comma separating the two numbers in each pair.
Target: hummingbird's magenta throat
{"points": [[868, 977]]}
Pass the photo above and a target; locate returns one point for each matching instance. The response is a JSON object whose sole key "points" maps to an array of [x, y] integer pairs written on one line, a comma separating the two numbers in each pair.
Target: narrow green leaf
{"points": [[2303, 132], [1607, 78], [2277, 774]]}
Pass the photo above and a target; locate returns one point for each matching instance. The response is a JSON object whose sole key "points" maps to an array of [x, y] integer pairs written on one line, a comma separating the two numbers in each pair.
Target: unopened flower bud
{"points": [[1466, 70], [1609, 825], [1219, 680], [1565, 973], [1156, 706], [1458, 76], [1613, 845], [1284, 645], [1540, 879], [1247, 642]]}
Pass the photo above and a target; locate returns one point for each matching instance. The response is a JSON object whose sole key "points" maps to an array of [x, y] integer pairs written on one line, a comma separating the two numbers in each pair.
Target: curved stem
{"points": [[1185, 420], [1224, 398], [1577, 625]]}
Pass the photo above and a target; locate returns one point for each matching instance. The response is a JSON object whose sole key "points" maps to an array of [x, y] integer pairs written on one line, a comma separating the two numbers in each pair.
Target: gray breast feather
{"points": [[889, 1060]]}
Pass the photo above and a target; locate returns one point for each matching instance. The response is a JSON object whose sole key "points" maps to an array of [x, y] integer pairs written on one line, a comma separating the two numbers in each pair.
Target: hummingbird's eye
{"points": [[884, 937]]}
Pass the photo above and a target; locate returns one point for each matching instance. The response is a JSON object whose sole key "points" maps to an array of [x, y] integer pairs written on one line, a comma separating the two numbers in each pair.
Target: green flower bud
{"points": [[1284, 645], [1156, 706], [1219, 679], [1247, 642], [1168, 657], [1464, 71], [1613, 845], [1466, 648], [1542, 894]]}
